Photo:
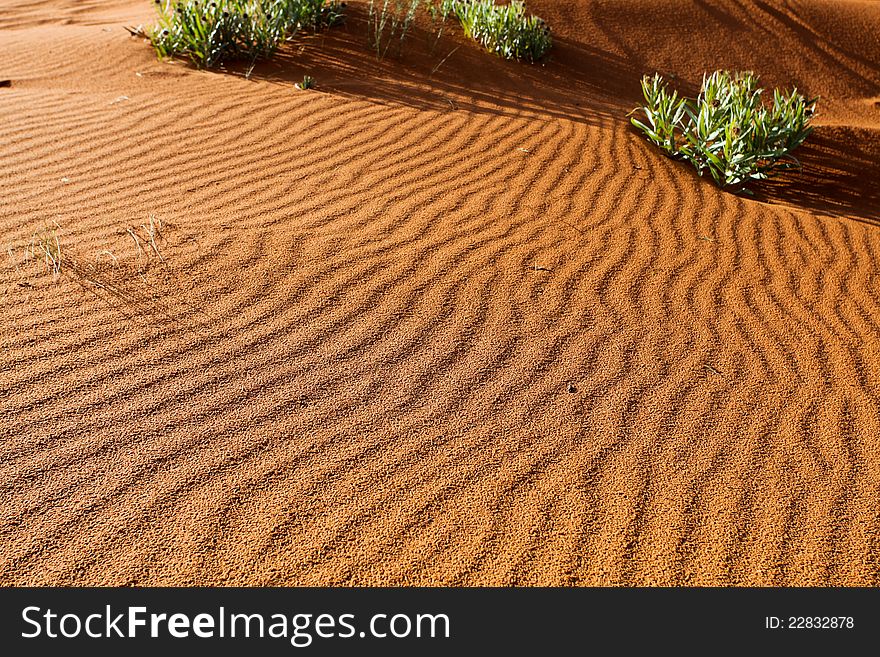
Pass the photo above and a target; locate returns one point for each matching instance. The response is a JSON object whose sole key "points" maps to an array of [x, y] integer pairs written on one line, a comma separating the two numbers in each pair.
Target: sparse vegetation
{"points": [[388, 22], [209, 33], [45, 246], [151, 232], [308, 82], [439, 10], [505, 30], [728, 130]]}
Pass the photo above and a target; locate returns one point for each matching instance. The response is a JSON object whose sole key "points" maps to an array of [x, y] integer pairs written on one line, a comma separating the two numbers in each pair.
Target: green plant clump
{"points": [[209, 33], [505, 30], [728, 129]]}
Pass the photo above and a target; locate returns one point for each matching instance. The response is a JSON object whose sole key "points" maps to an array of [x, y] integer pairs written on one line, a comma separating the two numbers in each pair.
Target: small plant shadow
{"points": [[839, 177], [574, 82]]}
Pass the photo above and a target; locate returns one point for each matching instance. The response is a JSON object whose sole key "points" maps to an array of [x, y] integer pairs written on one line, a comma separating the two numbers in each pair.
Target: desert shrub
{"points": [[728, 130], [388, 22], [209, 33], [505, 30]]}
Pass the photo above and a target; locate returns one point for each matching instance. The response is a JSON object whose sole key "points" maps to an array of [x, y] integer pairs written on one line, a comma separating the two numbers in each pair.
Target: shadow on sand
{"points": [[840, 176], [577, 83]]}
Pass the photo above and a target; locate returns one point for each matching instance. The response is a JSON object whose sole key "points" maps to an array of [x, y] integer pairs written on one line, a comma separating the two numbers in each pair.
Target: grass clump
{"points": [[728, 130], [209, 33], [505, 30]]}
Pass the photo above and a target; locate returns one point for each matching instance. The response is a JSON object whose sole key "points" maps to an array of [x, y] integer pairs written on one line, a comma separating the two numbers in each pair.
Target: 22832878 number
{"points": [[820, 622], [810, 623]]}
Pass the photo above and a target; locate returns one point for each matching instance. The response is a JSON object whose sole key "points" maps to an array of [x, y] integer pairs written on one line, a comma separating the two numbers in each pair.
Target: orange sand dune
{"points": [[462, 327]]}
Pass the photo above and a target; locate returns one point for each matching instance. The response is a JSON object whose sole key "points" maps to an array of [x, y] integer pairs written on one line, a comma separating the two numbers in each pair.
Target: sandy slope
{"points": [[352, 363]]}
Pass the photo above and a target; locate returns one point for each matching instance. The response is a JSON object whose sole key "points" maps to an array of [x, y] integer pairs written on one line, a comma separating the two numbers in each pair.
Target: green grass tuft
{"points": [[728, 130], [505, 30], [209, 33]]}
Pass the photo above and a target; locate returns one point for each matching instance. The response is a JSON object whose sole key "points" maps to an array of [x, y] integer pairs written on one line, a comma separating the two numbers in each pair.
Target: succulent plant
{"points": [[728, 130]]}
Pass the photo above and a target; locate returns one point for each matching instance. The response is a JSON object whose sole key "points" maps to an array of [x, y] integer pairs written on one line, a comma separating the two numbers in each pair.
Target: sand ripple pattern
{"points": [[446, 342]]}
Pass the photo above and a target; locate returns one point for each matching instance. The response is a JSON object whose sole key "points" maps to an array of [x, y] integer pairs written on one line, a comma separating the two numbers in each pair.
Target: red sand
{"points": [[353, 363]]}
